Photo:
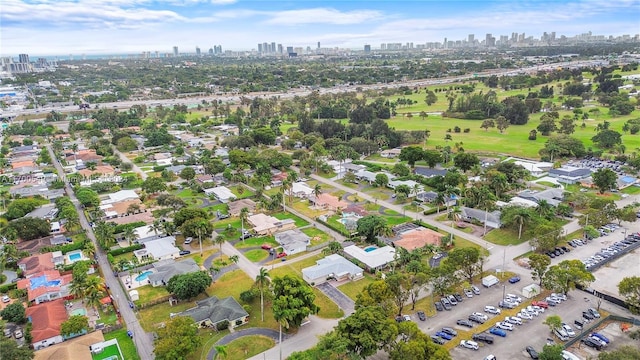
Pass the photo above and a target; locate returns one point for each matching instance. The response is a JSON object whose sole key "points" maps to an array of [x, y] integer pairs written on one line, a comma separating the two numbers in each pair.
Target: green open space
{"points": [[248, 346], [156, 315], [256, 255], [295, 268], [149, 293], [328, 309], [126, 344], [353, 288], [317, 236], [299, 221], [256, 241], [110, 352], [304, 208], [107, 315], [241, 194], [631, 190]]}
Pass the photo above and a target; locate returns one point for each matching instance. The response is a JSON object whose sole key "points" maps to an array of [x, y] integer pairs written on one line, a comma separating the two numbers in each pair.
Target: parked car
{"points": [[514, 279], [476, 319], [587, 315], [499, 332], [542, 304], [468, 293], [568, 330], [188, 240], [452, 300], [185, 252], [439, 306], [8, 332], [444, 335], [421, 315], [266, 246], [504, 326], [601, 337], [513, 320], [594, 313], [18, 334], [514, 298], [591, 343], [281, 255], [445, 303], [438, 340], [458, 297], [5, 299], [491, 309], [469, 344], [507, 304], [466, 323], [525, 315], [481, 315], [449, 331], [483, 338], [598, 340], [475, 290], [578, 324], [532, 352], [406, 317]]}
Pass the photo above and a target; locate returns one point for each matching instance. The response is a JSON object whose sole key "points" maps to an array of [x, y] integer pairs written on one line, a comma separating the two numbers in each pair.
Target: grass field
{"points": [[299, 221], [256, 255], [248, 346], [317, 236], [258, 241], [149, 293], [353, 288], [125, 342]]}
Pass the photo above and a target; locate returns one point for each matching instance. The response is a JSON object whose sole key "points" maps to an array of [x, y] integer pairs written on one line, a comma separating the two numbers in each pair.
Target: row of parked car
{"points": [[561, 250], [447, 302], [596, 341], [607, 254]]}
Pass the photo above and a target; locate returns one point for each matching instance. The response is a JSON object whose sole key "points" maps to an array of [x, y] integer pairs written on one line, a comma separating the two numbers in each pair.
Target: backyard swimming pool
{"points": [[370, 248], [75, 256], [80, 311], [144, 275]]}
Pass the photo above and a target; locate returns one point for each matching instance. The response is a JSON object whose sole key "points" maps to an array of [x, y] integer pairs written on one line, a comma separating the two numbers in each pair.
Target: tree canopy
{"points": [[190, 285], [177, 339], [293, 301]]}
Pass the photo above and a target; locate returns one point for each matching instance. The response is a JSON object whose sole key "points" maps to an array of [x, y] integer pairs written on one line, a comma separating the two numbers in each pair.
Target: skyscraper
{"points": [[175, 51], [367, 49], [273, 47], [23, 58], [198, 52], [318, 45], [259, 48]]}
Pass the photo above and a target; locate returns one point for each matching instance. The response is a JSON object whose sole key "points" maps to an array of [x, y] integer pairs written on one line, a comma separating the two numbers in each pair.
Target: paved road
{"points": [[10, 276], [247, 266], [135, 167], [275, 335], [143, 341]]}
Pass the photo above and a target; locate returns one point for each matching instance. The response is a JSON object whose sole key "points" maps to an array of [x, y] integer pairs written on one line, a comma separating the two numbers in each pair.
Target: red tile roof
{"points": [[46, 319], [32, 294]]}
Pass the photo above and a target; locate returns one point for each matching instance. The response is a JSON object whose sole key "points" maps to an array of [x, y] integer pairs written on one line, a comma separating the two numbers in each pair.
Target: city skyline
{"points": [[118, 26]]}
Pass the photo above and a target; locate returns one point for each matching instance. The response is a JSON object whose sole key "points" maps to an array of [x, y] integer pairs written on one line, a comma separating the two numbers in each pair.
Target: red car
{"points": [[266, 247], [281, 255], [542, 304]]}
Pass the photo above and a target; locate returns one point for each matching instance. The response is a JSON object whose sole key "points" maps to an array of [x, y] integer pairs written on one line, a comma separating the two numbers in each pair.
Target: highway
{"points": [[121, 105], [143, 341]]}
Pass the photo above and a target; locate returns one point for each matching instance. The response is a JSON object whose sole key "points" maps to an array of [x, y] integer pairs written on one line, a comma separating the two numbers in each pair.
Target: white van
{"points": [[561, 334]]}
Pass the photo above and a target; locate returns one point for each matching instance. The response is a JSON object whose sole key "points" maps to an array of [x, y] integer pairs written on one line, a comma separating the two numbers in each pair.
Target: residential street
{"points": [[142, 340], [135, 167]]}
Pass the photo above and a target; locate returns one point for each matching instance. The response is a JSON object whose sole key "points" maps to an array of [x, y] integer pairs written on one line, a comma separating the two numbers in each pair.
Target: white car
{"points": [[469, 344], [562, 297], [481, 315], [513, 320], [568, 330], [504, 326], [5, 299], [531, 310], [515, 298], [538, 308], [491, 309], [188, 240], [525, 315]]}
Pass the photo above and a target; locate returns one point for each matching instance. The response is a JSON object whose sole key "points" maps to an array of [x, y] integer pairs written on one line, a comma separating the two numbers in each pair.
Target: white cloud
{"points": [[223, 2], [322, 16]]}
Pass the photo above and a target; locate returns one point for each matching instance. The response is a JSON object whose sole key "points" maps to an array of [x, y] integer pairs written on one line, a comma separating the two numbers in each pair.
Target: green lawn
{"points": [[241, 194], [464, 243], [506, 236], [296, 267], [304, 208], [299, 221], [248, 346], [149, 293], [230, 284], [353, 288], [107, 353], [256, 255], [328, 309], [257, 241], [126, 344], [631, 190], [155, 315], [107, 317], [317, 236]]}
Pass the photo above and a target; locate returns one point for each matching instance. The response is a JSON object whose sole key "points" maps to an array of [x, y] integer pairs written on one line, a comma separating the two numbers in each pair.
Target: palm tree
{"points": [[168, 227], [74, 147], [234, 259], [544, 209], [485, 200], [317, 190], [156, 227], [521, 218], [219, 240], [221, 351], [130, 235], [332, 248], [89, 249], [262, 280], [244, 213], [287, 185], [94, 291], [201, 228]]}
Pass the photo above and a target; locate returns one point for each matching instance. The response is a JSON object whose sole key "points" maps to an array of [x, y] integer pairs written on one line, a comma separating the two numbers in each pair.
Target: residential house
{"points": [[82, 157], [427, 196], [418, 238], [392, 184], [222, 193], [570, 174], [212, 311], [46, 320], [332, 267], [300, 190], [158, 249], [266, 225], [293, 241], [45, 212], [100, 170], [205, 178], [492, 218], [46, 286], [279, 178], [165, 270], [39, 189], [236, 206], [163, 159], [76, 349], [119, 196], [429, 172], [39, 263], [354, 210], [535, 168], [354, 168], [59, 239], [175, 169], [221, 153], [365, 175], [552, 196], [391, 153], [328, 202], [374, 259]]}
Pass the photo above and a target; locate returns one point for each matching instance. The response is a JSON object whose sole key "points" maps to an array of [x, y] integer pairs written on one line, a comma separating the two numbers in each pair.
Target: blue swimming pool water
{"points": [[75, 257], [42, 281], [143, 276], [370, 248], [80, 311]]}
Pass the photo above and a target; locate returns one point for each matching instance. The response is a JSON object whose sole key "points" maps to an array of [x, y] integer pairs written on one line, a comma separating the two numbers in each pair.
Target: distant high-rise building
{"points": [[210, 51], [273, 47], [265, 48], [218, 49], [280, 49], [23, 58], [367, 49], [175, 51], [383, 46], [289, 49], [198, 52], [471, 39], [260, 48], [318, 44], [489, 41], [445, 43]]}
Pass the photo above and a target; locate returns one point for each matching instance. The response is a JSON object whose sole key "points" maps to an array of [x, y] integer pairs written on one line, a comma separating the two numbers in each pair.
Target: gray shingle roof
{"points": [[168, 270], [216, 310]]}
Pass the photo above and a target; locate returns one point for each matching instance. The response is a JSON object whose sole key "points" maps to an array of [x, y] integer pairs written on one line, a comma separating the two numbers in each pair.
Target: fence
{"points": [[319, 246], [624, 252], [111, 328], [587, 330], [155, 302], [338, 230]]}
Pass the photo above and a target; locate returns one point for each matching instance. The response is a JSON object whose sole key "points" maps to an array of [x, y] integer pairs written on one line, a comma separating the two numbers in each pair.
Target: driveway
{"points": [[343, 301], [10, 276]]}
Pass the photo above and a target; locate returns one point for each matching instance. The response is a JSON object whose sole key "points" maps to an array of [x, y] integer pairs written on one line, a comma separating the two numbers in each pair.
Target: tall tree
{"points": [[262, 280], [367, 331], [176, 339], [566, 275], [466, 260], [605, 179], [539, 264], [400, 286], [629, 288]]}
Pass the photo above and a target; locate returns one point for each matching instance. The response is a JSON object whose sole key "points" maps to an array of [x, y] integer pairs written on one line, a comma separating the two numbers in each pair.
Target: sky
{"points": [[63, 27]]}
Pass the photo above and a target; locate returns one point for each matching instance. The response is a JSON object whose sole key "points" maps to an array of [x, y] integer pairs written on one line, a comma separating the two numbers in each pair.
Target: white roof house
{"points": [[374, 259], [300, 189], [159, 249], [144, 232], [221, 193], [293, 241], [265, 224], [517, 201], [332, 266], [536, 168], [410, 183], [122, 195]]}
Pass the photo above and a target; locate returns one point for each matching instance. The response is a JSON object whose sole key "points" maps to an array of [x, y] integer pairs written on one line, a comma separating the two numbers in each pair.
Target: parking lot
{"points": [[530, 333], [613, 332]]}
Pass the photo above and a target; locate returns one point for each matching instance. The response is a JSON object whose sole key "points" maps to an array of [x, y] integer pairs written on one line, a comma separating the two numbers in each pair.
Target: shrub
{"points": [[125, 250], [224, 325], [8, 287], [466, 130]]}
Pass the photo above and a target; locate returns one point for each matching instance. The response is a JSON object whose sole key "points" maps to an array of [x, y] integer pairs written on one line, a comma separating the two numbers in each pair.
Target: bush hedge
{"points": [[125, 250], [340, 231], [8, 287], [432, 211], [64, 248]]}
